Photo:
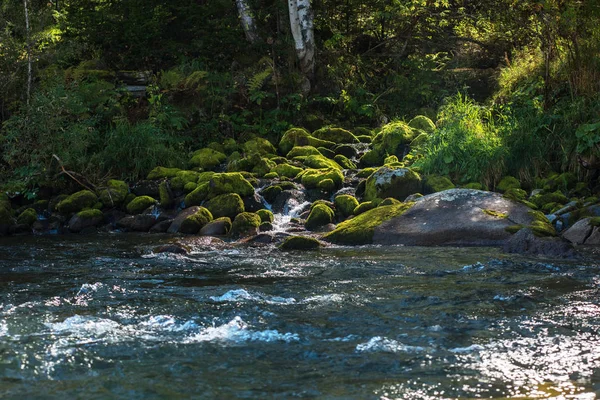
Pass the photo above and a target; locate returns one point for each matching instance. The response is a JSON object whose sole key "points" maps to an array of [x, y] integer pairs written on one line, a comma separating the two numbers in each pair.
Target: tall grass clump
{"points": [[466, 146]]}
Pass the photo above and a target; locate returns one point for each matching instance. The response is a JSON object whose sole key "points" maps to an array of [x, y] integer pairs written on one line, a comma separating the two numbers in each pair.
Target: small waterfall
{"points": [[292, 209]]}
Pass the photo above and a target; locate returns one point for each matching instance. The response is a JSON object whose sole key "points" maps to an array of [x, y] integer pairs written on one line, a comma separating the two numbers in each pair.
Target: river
{"points": [[102, 316]]}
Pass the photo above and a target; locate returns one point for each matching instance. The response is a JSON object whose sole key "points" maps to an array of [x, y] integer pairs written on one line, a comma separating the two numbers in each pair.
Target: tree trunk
{"points": [[301, 24], [247, 18], [29, 68]]}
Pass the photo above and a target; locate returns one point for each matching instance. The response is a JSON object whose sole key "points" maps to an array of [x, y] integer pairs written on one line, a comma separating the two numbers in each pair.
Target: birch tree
{"points": [[301, 25], [29, 61], [247, 20]]}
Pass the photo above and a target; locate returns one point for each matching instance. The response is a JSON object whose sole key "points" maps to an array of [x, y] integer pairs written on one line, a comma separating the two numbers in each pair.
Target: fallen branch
{"points": [[72, 174]]}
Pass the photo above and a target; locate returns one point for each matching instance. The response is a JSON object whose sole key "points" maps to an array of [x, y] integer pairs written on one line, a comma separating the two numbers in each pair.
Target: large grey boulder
{"points": [[457, 217], [579, 232]]}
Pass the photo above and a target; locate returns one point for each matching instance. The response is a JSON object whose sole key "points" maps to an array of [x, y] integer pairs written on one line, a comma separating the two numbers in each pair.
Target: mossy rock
{"points": [[299, 243], [567, 181], [595, 221], [303, 151], [346, 150], [360, 229], [245, 224], [508, 182], [193, 223], [190, 187], [436, 183], [287, 185], [320, 162], [547, 208], [363, 131], [270, 193], [139, 204], [27, 217], [422, 123], [198, 195], [225, 205], [326, 185], [230, 182], [77, 202], [344, 162], [263, 167], [345, 205], [538, 216], [165, 197], [182, 178], [207, 159], [365, 172], [287, 170], [230, 146], [335, 135], [205, 177], [514, 228], [474, 186], [265, 215], [6, 217], [398, 183], [372, 158], [364, 207], [217, 227], [271, 175], [390, 201], [259, 146], [217, 147], [114, 194], [300, 137], [390, 160], [555, 197], [162, 173], [85, 219], [393, 138], [542, 229], [311, 177], [320, 215], [515, 194]]}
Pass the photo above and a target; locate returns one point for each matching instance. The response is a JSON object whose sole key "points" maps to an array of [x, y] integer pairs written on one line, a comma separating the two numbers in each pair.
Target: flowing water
{"points": [[103, 317]]}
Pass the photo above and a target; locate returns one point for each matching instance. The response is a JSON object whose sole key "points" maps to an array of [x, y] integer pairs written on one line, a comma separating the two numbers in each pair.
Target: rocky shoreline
{"points": [[331, 186]]}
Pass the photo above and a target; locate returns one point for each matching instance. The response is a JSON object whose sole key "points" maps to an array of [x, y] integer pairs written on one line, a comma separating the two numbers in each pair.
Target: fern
{"points": [[257, 82], [195, 81]]}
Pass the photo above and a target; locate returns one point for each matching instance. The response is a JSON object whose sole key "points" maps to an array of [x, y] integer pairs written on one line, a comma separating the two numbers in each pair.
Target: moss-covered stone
{"points": [[287, 170], [27, 217], [245, 224], [567, 181], [300, 137], [335, 135], [193, 223], [190, 187], [346, 150], [345, 205], [299, 243], [538, 216], [321, 162], [77, 202], [225, 205], [320, 215], [259, 146], [515, 194], [365, 172], [364, 207], [303, 151], [271, 175], [436, 183], [217, 147], [270, 193], [265, 215], [182, 178], [594, 221], [204, 177], [390, 160], [326, 186], [508, 182], [85, 219], [207, 159], [364, 138], [422, 123], [474, 186], [198, 195], [230, 182], [372, 158], [344, 162], [360, 229], [514, 228], [6, 218], [139, 204], [287, 185], [390, 201], [114, 194], [311, 177], [392, 182], [162, 173], [544, 198], [542, 229], [217, 227], [363, 131], [165, 197], [230, 146], [393, 138]]}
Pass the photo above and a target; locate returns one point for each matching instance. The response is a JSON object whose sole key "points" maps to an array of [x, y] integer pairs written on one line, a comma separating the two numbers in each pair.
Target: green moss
{"points": [[474, 186], [366, 172], [555, 197], [271, 175], [320, 162], [392, 138], [303, 151], [230, 182], [326, 185], [245, 223], [345, 205], [204, 177], [139, 204], [335, 135], [495, 214], [364, 207], [508, 182], [360, 229], [390, 160], [263, 166], [363, 131], [287, 170], [436, 183], [182, 178], [311, 177], [90, 214], [165, 198], [196, 221], [229, 146], [542, 229], [372, 158], [513, 228], [364, 138], [216, 147], [538, 216], [162, 173], [190, 187], [547, 208], [226, 221], [207, 159], [225, 205], [300, 137], [595, 221], [529, 204], [344, 162], [423, 123], [114, 194], [567, 181], [398, 183], [259, 146], [270, 193], [299, 243], [515, 194], [77, 202], [390, 201], [198, 195], [265, 215], [27, 217], [320, 215]]}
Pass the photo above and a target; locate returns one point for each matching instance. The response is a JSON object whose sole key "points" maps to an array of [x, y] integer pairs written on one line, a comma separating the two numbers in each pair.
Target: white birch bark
{"points": [[29, 68], [302, 27], [247, 19]]}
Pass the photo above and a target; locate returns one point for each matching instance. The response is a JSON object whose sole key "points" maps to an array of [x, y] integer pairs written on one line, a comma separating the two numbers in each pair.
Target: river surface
{"points": [[102, 316]]}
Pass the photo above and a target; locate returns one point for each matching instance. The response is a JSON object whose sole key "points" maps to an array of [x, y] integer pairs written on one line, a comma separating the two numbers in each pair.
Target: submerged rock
{"points": [[300, 243], [526, 242], [461, 217]]}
